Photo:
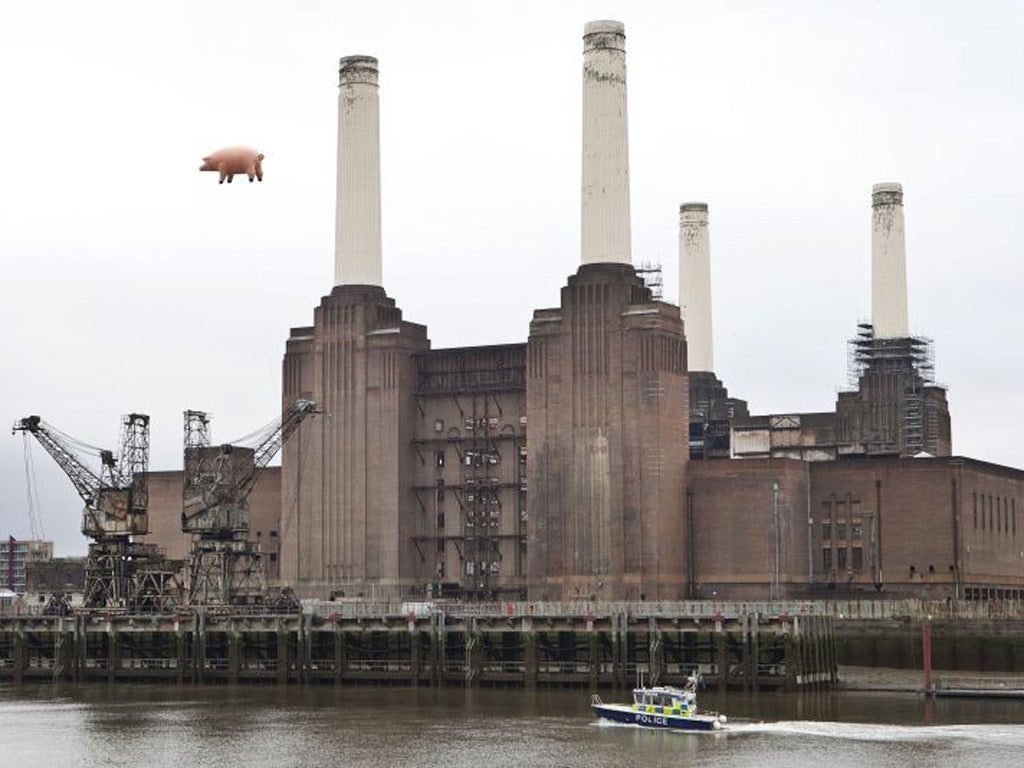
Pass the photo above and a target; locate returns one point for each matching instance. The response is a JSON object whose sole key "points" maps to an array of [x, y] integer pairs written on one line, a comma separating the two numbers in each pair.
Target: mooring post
{"points": [[721, 661], [926, 653], [529, 653], [199, 647], [234, 651], [655, 652], [19, 653], [284, 658], [595, 659], [112, 650], [179, 641], [414, 653], [339, 652]]}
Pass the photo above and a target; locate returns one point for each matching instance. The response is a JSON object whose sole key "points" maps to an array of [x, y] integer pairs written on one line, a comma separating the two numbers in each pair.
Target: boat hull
{"points": [[624, 714]]}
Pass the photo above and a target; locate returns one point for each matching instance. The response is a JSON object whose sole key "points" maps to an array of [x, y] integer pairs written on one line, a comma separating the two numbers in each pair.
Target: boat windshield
{"points": [[655, 698]]}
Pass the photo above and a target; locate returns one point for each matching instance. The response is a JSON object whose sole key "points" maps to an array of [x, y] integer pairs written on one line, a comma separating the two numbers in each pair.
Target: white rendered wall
{"points": [[605, 193], [695, 285], [357, 247], [888, 263]]}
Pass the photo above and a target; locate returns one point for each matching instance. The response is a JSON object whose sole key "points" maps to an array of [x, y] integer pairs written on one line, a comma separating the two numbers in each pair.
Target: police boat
{"points": [[663, 706]]}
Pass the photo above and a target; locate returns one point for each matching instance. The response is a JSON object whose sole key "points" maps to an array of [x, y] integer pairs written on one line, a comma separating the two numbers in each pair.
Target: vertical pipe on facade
{"points": [[605, 230], [695, 284], [357, 239], [888, 263]]}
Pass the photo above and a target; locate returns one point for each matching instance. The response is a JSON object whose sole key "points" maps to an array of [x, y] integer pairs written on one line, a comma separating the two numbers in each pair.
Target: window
{"points": [[273, 557], [273, 534], [858, 559], [439, 425], [826, 559], [439, 458], [991, 527], [841, 558], [841, 531], [855, 531], [975, 494], [826, 531]]}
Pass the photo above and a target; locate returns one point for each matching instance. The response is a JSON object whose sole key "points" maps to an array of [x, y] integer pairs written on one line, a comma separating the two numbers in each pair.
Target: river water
{"points": [[161, 725]]}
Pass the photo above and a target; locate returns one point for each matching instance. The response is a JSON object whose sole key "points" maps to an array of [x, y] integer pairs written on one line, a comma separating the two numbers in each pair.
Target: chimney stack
{"points": [[605, 191], [695, 285], [888, 263], [357, 247]]}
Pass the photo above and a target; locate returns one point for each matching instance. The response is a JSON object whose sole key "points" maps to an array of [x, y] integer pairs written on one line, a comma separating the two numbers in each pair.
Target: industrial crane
{"points": [[224, 567], [119, 572]]}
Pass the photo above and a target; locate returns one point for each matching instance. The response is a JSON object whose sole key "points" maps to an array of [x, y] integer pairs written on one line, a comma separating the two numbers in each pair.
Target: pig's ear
{"points": [[206, 159], [261, 156]]}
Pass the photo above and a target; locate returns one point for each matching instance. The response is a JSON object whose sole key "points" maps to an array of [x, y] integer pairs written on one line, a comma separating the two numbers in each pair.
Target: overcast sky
{"points": [[132, 282]]}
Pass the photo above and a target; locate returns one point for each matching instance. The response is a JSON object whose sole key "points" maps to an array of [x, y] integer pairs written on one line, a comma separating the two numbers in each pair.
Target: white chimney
{"points": [[357, 248], [605, 199], [888, 263], [695, 285]]}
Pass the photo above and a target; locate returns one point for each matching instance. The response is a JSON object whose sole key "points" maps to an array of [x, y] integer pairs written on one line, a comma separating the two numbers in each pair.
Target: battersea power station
{"points": [[602, 458]]}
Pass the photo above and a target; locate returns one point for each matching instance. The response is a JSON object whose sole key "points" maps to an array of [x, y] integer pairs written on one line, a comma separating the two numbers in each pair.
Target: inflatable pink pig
{"points": [[228, 162]]}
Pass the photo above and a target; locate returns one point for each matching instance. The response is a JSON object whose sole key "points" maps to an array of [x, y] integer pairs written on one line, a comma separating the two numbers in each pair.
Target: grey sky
{"points": [[132, 282]]}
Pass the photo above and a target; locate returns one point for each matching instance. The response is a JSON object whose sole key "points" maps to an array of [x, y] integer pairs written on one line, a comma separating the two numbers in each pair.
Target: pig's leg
{"points": [[222, 169], [250, 171]]}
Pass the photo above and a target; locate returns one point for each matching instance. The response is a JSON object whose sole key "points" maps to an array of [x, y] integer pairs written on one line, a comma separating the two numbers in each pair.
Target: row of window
{"points": [[993, 593], [855, 531], [856, 558], [999, 512]]}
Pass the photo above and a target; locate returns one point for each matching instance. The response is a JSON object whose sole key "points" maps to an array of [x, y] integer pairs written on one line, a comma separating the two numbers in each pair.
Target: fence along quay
{"points": [[583, 644]]}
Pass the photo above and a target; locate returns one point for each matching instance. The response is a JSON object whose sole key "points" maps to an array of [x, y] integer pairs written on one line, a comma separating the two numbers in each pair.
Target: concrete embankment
{"points": [[957, 645]]}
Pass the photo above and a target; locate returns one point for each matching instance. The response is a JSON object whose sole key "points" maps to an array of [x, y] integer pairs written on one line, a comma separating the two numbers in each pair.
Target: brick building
{"points": [[560, 468]]}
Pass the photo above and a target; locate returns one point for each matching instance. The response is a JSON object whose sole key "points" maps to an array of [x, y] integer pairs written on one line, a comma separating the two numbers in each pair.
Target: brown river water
{"points": [[166, 725]]}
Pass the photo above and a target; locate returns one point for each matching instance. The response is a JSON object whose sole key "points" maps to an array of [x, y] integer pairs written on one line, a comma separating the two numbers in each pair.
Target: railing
{"points": [[373, 665], [149, 663], [260, 665], [690, 609], [914, 609]]}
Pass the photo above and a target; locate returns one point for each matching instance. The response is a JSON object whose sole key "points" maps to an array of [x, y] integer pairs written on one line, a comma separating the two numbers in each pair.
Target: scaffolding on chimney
{"points": [[866, 353], [650, 273], [911, 360]]}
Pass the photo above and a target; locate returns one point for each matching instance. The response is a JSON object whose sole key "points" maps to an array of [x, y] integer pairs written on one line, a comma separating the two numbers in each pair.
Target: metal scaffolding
{"points": [[901, 369]]}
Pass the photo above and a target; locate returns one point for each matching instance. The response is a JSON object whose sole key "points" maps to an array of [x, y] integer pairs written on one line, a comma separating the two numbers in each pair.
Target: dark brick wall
{"points": [[607, 407], [740, 522], [348, 515]]}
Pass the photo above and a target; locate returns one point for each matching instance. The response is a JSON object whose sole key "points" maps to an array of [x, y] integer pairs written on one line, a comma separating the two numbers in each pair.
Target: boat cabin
{"points": [[664, 701]]}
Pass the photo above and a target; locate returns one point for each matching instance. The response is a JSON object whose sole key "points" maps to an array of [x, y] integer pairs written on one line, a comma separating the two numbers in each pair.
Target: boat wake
{"points": [[1000, 734]]}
